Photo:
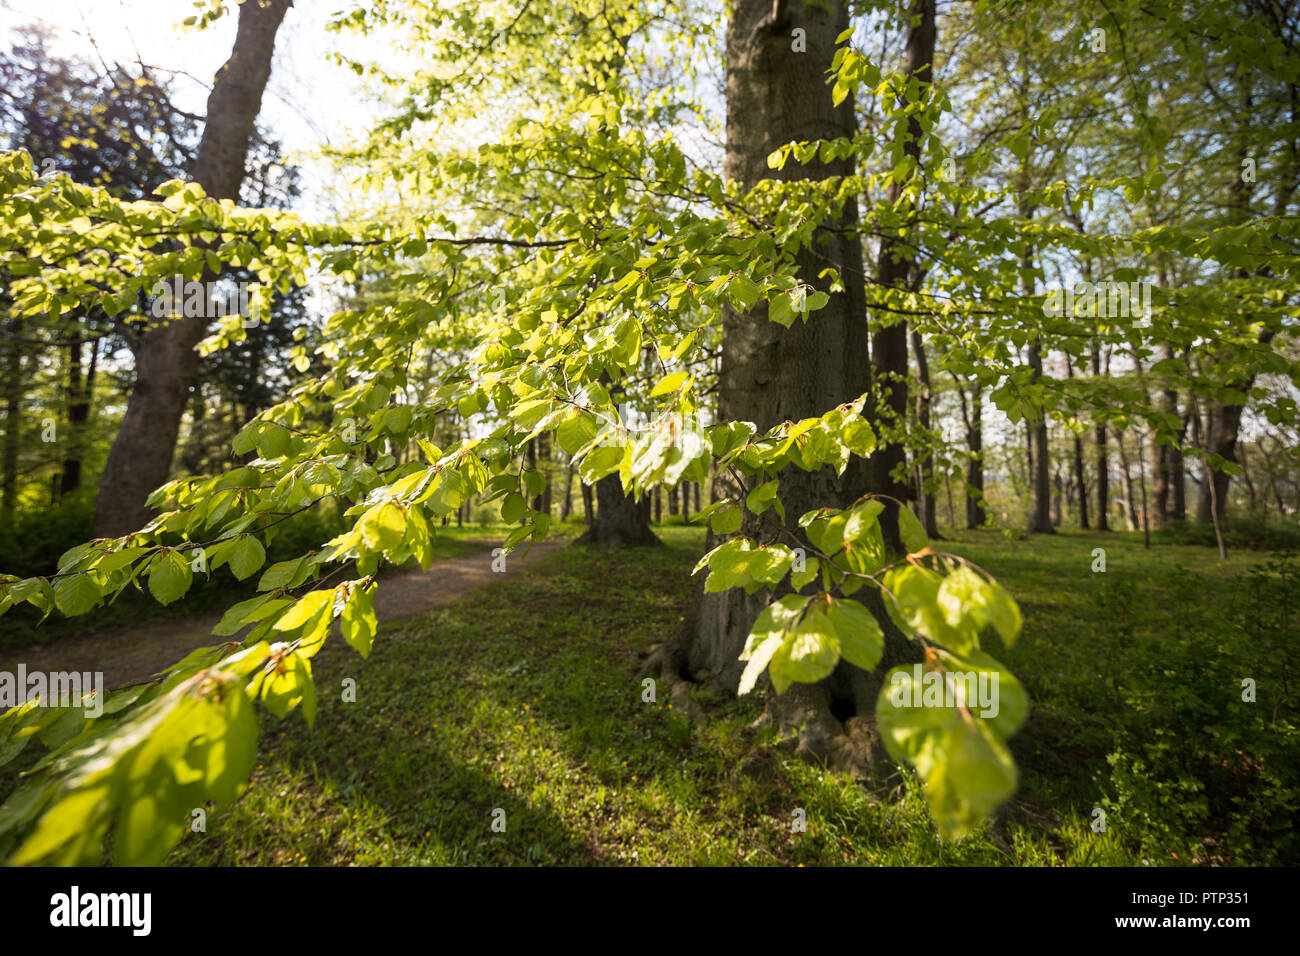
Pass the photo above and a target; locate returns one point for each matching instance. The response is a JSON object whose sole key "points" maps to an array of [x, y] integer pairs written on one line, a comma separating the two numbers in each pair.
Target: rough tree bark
{"points": [[770, 374], [165, 360]]}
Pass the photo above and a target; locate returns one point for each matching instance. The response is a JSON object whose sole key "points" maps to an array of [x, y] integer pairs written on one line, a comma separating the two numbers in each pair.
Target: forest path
{"points": [[126, 654]]}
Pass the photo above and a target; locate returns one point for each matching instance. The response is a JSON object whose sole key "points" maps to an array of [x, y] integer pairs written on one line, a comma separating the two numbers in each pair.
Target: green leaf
{"points": [[383, 527], [911, 530], [861, 639], [967, 772], [169, 576], [284, 574], [726, 521], [513, 507], [669, 384], [575, 431], [76, 594], [762, 497], [307, 608], [808, 655], [627, 341], [246, 557], [248, 612], [743, 292], [913, 604], [358, 623]]}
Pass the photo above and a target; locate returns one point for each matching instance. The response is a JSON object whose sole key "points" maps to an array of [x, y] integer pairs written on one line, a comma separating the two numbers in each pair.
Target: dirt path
{"points": [[126, 654]]}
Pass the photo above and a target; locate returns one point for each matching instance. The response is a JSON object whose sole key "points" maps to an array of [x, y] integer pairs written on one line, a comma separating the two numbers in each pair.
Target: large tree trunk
{"points": [[770, 374], [1222, 427], [141, 456], [620, 518]]}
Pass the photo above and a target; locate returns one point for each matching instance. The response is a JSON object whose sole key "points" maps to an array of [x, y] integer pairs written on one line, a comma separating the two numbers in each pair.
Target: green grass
{"points": [[524, 697]]}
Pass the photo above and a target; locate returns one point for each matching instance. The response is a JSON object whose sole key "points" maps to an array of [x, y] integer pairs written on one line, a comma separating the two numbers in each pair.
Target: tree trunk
{"points": [[1252, 497], [1103, 459], [1130, 503], [620, 518], [586, 503], [1222, 425], [1080, 477], [1162, 459], [975, 516], [1178, 473], [80, 391], [568, 493], [1040, 511], [1057, 492], [925, 471], [14, 392], [141, 456], [771, 374], [659, 505]]}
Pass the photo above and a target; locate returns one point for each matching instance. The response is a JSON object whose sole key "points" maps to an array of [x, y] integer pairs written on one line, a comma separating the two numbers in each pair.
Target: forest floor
{"points": [[521, 704], [129, 652]]}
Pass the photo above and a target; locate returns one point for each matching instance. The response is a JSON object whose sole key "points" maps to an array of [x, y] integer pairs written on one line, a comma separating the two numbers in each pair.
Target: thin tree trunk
{"points": [[1103, 458], [14, 393], [1040, 513], [925, 468], [1178, 473], [975, 516], [1056, 499], [568, 493], [1080, 476], [1142, 477], [1130, 505]]}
